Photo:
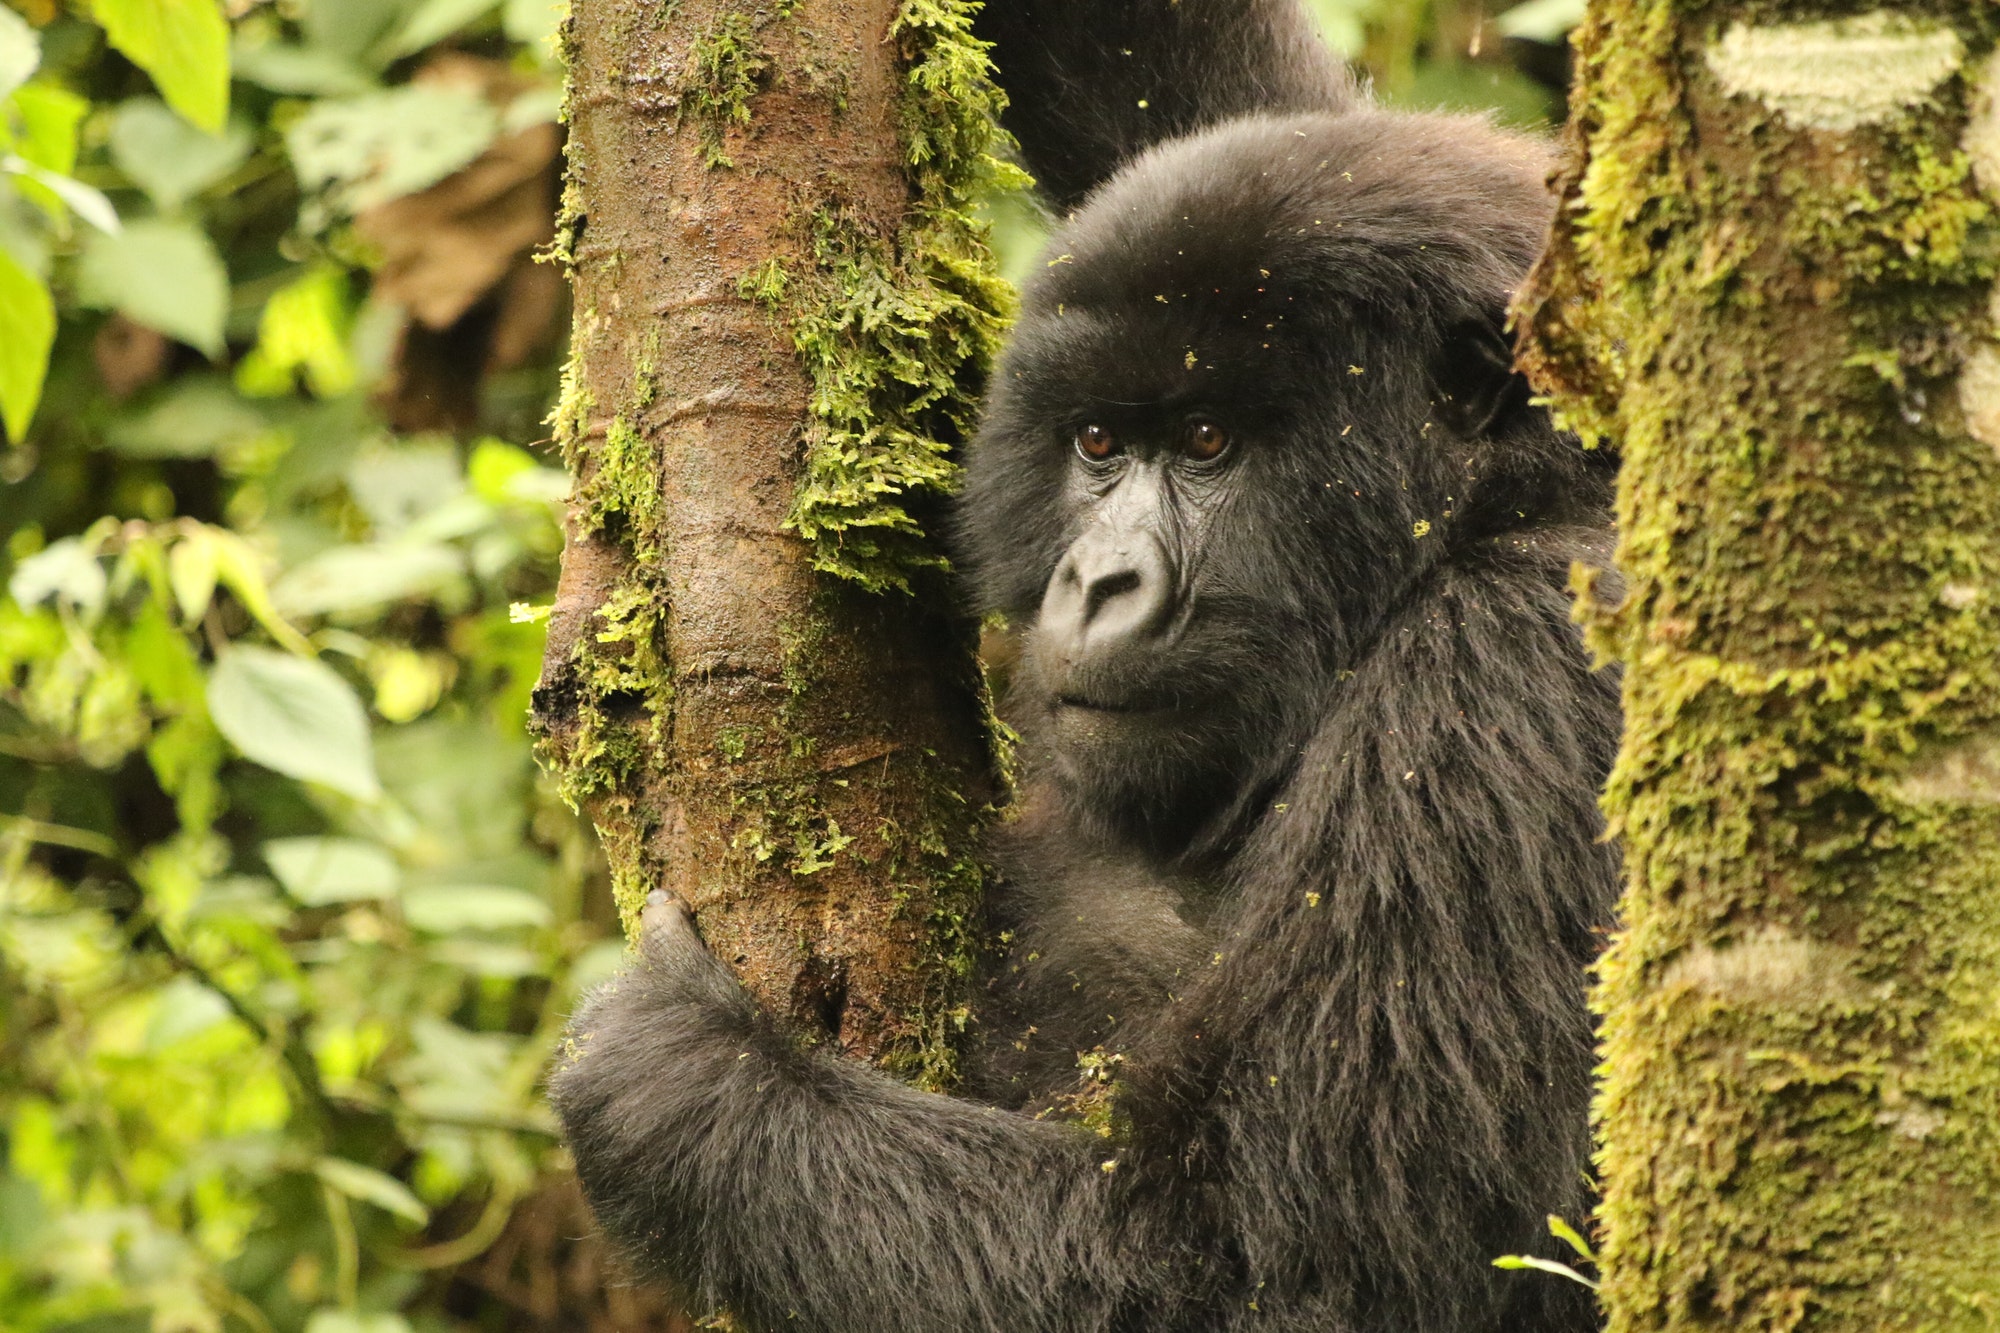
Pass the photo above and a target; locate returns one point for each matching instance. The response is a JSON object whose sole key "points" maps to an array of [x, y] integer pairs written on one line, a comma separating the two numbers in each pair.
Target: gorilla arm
{"points": [[1376, 1088], [805, 1191], [1093, 83]]}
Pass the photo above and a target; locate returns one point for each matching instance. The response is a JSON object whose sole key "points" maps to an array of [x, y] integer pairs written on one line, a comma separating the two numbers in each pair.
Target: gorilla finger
{"points": [[666, 926]]}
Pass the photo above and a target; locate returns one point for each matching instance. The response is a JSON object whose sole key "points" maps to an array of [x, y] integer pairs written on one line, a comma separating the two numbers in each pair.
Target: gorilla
{"points": [[1308, 867]]}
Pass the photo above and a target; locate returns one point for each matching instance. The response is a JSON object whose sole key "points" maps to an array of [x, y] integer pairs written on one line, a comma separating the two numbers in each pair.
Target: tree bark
{"points": [[755, 680], [1771, 284]]}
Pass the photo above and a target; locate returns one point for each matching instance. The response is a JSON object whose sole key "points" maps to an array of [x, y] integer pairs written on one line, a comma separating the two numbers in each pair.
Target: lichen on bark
{"points": [[1767, 303], [779, 281]]}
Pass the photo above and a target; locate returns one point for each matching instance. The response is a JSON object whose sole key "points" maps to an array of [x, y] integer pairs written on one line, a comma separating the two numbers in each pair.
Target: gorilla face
{"points": [[1233, 426], [1152, 679]]}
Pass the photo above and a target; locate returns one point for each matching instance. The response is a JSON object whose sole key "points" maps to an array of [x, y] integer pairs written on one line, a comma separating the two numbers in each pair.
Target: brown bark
{"points": [[805, 762]]}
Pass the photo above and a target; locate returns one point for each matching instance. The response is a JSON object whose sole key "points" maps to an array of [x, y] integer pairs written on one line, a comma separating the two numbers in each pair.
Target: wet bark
{"points": [[1771, 286]]}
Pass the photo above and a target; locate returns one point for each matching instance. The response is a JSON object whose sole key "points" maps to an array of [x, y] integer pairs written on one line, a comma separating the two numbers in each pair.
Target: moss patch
{"points": [[890, 328], [728, 65]]}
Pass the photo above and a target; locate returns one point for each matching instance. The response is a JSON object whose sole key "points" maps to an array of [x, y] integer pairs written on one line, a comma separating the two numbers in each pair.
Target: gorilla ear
{"points": [[1478, 389]]}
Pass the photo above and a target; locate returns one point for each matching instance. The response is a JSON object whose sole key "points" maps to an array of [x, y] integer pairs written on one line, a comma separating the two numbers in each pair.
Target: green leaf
{"points": [[168, 158], [164, 275], [20, 51], [198, 416], [49, 115], [303, 329], [307, 71], [318, 871], [27, 332], [1571, 1237], [446, 909], [65, 571], [353, 578], [83, 200], [431, 22], [350, 27], [191, 571], [1517, 1261], [371, 1186], [295, 716], [365, 151], [183, 1008], [1541, 20], [183, 44], [241, 569]]}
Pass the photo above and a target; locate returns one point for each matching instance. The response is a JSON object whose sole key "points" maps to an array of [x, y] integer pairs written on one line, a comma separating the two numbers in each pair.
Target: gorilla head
{"points": [[1257, 391]]}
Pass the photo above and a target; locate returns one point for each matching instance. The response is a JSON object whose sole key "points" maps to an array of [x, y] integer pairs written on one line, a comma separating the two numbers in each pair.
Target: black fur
{"points": [[1309, 844]]}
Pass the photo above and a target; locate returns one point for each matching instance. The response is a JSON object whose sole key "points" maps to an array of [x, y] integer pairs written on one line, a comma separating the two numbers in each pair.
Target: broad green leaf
{"points": [[27, 332], [431, 22], [183, 44], [365, 151], [303, 330], [302, 71], [183, 1008], [49, 115], [371, 1186], [168, 158], [164, 275], [83, 200], [186, 755], [350, 27], [295, 716], [20, 51], [45, 117], [163, 662], [66, 571], [351, 578], [484, 957], [446, 909], [197, 416], [1541, 20], [396, 486], [241, 569], [318, 871], [191, 569]]}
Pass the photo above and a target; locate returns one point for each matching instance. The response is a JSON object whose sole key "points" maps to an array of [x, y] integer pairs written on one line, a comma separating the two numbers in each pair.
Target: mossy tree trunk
{"points": [[1772, 286], [755, 682]]}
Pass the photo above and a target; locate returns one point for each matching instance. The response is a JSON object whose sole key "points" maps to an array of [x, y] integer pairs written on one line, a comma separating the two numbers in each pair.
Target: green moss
{"points": [[1800, 1110], [729, 66], [888, 326]]}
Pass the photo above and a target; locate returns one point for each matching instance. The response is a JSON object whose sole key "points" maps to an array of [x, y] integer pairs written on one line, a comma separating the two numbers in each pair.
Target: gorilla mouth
{"points": [[1105, 705], [1093, 704]]}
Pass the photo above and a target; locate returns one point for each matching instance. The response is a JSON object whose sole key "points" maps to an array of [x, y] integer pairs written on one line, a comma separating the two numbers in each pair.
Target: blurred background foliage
{"points": [[289, 922]]}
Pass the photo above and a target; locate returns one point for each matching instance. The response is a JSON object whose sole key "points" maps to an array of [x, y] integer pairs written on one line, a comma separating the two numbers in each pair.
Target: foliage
{"points": [[287, 921]]}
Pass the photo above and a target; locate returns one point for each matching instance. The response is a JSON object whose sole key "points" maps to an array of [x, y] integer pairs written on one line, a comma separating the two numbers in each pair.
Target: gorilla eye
{"points": [[1206, 441], [1095, 442]]}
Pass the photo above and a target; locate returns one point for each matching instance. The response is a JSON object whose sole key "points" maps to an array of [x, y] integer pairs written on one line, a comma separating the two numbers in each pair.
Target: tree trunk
{"points": [[1772, 286], [755, 682]]}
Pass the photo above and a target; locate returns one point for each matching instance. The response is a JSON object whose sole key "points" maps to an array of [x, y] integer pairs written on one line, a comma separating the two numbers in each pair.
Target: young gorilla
{"points": [[1310, 837]]}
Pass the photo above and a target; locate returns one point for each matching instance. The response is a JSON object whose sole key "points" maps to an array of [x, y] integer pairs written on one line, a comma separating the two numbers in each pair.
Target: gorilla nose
{"points": [[1111, 588]]}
